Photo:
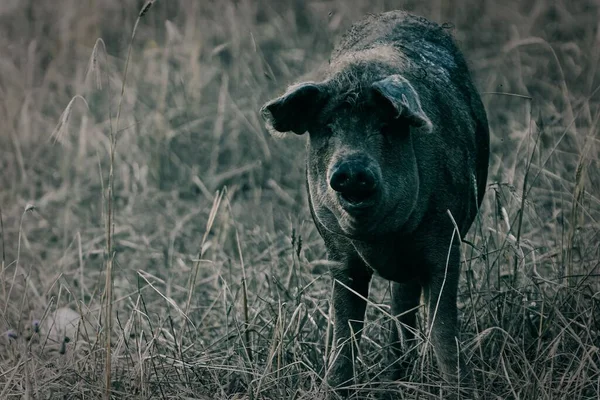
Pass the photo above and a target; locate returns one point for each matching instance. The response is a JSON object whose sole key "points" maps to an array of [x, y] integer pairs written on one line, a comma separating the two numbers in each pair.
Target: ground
{"points": [[220, 286]]}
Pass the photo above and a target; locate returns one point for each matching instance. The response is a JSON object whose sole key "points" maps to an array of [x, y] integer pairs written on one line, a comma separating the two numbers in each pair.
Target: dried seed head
{"points": [[93, 65], [29, 207], [146, 7], [60, 132], [505, 218]]}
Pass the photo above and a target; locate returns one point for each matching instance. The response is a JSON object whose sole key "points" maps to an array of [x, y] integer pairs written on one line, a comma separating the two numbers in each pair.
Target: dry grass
{"points": [[216, 283]]}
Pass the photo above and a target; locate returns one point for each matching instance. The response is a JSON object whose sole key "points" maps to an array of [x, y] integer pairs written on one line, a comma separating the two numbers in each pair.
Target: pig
{"points": [[396, 169]]}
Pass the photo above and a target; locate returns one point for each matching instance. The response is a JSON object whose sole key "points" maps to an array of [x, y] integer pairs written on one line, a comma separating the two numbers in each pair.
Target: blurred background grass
{"points": [[189, 127]]}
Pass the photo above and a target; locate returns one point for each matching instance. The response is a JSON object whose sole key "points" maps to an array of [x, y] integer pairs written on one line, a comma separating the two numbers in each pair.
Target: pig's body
{"points": [[398, 137]]}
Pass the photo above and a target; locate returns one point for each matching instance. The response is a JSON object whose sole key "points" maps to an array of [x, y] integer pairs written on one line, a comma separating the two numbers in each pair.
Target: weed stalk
{"points": [[110, 214]]}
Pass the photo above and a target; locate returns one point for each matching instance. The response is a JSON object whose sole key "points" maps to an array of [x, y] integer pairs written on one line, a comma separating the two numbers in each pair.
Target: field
{"points": [[143, 201]]}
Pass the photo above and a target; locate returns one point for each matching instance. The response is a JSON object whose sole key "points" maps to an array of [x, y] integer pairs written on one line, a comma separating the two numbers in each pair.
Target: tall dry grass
{"points": [[215, 268]]}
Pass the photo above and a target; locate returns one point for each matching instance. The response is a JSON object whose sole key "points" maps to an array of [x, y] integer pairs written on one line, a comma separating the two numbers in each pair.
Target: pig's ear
{"points": [[296, 109], [405, 101]]}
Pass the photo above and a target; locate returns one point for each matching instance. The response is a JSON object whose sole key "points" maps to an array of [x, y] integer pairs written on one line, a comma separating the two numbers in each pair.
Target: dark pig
{"points": [[397, 153]]}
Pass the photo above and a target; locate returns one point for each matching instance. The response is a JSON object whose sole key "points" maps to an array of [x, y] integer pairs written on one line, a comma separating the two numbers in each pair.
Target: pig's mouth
{"points": [[357, 201]]}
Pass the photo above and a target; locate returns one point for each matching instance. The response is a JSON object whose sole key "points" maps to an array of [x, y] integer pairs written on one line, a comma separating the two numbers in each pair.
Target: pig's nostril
{"points": [[365, 180], [340, 180]]}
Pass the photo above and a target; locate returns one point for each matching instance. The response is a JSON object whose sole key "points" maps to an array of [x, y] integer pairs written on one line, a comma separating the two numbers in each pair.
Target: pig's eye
{"points": [[387, 130], [327, 129]]}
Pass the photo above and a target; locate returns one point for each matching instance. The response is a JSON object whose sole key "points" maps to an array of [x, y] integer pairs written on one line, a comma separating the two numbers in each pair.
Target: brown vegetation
{"points": [[217, 290]]}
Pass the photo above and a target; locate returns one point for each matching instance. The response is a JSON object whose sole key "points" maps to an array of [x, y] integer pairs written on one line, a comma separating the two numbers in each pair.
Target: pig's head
{"points": [[363, 175]]}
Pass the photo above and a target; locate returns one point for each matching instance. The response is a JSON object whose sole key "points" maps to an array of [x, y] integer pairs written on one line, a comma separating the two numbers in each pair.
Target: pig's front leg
{"points": [[440, 296], [348, 317]]}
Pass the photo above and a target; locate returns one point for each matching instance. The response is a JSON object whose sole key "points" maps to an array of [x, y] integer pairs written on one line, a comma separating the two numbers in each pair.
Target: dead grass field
{"points": [[218, 285]]}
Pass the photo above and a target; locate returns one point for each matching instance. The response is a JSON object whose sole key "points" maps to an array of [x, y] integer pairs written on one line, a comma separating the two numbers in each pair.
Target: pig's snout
{"points": [[355, 180], [351, 177]]}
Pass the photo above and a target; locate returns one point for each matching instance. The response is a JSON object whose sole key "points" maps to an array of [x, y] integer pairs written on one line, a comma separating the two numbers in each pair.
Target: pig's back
{"points": [[407, 32]]}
